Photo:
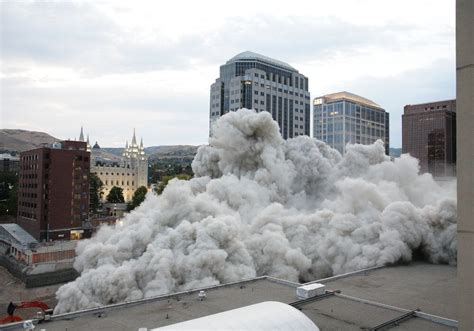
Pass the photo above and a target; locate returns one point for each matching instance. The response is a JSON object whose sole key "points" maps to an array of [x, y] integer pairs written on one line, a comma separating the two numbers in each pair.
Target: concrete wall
{"points": [[465, 160], [51, 278], [13, 267], [21, 272]]}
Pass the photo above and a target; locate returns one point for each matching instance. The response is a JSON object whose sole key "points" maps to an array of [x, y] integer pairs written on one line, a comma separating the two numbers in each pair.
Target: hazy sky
{"points": [[115, 65]]}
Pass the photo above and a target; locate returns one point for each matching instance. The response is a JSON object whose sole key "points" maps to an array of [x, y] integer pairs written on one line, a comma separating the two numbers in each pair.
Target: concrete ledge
{"points": [[20, 271]]}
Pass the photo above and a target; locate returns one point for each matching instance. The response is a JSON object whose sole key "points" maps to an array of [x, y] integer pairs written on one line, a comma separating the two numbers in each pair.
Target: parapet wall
{"points": [[35, 277]]}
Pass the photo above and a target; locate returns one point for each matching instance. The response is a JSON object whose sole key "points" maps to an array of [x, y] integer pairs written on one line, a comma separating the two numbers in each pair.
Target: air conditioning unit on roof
{"points": [[310, 290]]}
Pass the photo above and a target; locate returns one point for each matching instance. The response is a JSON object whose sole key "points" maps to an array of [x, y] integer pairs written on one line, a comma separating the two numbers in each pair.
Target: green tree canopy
{"points": [[115, 195], [138, 197], [8, 193], [96, 187]]}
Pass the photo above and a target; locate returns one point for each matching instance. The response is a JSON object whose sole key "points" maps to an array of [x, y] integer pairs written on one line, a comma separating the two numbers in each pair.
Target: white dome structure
{"points": [[269, 315]]}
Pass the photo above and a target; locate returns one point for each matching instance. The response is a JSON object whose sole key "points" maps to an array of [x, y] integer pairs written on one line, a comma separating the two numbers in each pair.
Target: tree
{"points": [[138, 197], [8, 193], [115, 195], [96, 193]]}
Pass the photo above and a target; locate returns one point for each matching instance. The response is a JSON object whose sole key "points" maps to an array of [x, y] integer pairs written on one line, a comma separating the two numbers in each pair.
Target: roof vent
{"points": [[202, 295], [310, 290]]}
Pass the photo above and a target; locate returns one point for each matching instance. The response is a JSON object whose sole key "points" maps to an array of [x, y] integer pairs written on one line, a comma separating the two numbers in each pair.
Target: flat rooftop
{"points": [[366, 299]]}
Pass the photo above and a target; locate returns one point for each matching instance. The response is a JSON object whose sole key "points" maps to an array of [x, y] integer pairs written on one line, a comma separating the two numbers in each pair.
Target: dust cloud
{"points": [[260, 205]]}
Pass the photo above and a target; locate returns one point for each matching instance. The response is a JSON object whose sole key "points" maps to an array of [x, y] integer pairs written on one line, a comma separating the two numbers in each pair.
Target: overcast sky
{"points": [[118, 65]]}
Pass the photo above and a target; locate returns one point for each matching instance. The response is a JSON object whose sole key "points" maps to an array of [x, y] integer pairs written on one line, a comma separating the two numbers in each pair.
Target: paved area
{"points": [[419, 285], [13, 290]]}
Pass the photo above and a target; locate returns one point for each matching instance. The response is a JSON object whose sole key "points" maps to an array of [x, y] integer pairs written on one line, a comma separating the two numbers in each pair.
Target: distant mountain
{"points": [[161, 152], [104, 156], [13, 140], [172, 152], [117, 151], [395, 152]]}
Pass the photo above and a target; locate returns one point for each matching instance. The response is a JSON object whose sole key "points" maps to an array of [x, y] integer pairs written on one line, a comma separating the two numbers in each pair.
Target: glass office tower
{"points": [[253, 81], [345, 118]]}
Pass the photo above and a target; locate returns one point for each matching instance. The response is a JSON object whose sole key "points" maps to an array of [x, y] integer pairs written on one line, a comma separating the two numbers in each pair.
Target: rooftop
{"points": [[367, 299], [344, 95], [7, 156], [16, 232], [247, 55]]}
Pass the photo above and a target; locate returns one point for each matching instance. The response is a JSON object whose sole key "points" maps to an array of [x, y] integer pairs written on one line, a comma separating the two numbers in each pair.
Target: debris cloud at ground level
{"points": [[260, 205]]}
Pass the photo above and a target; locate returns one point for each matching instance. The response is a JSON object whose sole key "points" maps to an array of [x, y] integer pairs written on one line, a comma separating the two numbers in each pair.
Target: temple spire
{"points": [[141, 143], [81, 136], [134, 139], [88, 146]]}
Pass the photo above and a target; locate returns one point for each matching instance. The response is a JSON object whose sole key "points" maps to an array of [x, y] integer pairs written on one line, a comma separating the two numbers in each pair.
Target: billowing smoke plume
{"points": [[260, 205]]}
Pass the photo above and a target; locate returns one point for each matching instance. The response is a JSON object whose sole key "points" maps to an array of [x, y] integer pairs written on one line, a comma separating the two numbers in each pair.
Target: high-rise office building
{"points": [[345, 118], [53, 191], [429, 134], [253, 81]]}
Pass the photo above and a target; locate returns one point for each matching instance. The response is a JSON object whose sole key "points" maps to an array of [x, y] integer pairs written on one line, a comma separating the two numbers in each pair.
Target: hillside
{"points": [[162, 152], [22, 140], [12, 140], [172, 152]]}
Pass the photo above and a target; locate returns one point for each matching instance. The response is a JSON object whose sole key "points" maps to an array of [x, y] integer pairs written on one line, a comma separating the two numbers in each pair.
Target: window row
{"points": [[27, 215], [116, 182], [28, 185], [27, 204], [118, 174]]}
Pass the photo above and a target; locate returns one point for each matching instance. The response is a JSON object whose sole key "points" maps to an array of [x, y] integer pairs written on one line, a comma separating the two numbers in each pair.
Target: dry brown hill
{"points": [[22, 140]]}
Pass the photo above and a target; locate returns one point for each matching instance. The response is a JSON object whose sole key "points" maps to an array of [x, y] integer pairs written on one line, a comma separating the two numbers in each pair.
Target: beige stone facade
{"points": [[465, 160], [129, 174]]}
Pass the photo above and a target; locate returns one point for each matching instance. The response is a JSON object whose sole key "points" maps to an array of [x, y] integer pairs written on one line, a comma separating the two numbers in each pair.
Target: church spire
{"points": [[141, 143], [88, 146], [134, 139], [81, 136]]}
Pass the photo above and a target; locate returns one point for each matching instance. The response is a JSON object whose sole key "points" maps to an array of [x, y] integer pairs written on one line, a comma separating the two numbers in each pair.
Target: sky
{"points": [[112, 66]]}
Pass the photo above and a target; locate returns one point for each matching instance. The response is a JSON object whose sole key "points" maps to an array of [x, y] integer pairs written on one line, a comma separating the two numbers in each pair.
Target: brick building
{"points": [[429, 134], [53, 191]]}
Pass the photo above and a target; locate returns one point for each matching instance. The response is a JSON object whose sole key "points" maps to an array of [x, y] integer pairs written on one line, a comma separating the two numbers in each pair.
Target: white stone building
{"points": [[129, 174]]}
